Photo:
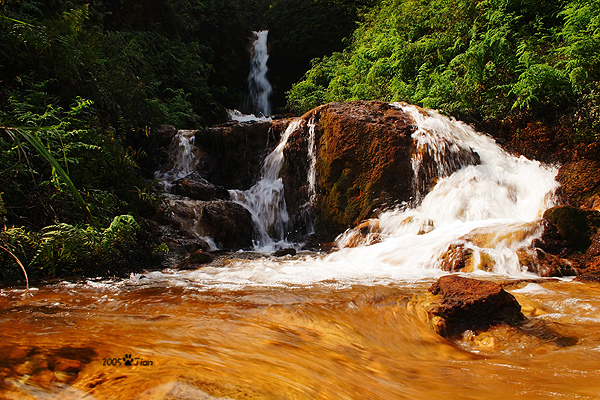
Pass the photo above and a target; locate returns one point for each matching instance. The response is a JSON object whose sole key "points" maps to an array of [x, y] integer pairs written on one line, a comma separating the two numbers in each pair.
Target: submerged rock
{"points": [[197, 260], [285, 252], [460, 304]]}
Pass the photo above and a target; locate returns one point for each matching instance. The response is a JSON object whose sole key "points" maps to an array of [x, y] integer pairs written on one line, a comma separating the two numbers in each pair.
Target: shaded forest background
{"points": [[90, 82]]}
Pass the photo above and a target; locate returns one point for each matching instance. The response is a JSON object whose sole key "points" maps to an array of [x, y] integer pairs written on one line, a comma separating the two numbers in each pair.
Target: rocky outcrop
{"points": [[229, 224], [460, 304], [197, 188], [225, 222], [569, 229], [231, 154], [363, 153]]}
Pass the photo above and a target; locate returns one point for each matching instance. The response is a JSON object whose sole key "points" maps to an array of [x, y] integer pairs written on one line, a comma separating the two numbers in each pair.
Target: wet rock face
{"points": [[461, 304], [231, 154], [229, 224], [363, 161], [365, 153]]}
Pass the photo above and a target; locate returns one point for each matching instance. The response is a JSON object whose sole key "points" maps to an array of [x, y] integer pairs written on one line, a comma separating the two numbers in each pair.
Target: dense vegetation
{"points": [[84, 84], [491, 61]]}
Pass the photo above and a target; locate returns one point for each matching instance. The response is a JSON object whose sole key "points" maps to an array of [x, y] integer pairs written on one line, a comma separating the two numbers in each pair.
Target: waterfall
{"points": [[266, 201], [490, 208], [259, 88], [182, 157]]}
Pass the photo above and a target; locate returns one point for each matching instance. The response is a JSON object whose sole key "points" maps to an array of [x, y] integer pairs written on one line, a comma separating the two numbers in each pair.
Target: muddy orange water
{"points": [[325, 341]]}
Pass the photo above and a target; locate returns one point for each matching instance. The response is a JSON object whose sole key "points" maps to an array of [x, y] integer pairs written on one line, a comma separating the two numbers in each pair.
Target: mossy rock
{"points": [[574, 225]]}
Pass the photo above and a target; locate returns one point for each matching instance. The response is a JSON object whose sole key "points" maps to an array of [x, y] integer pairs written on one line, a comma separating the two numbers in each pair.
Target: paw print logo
{"points": [[128, 359]]}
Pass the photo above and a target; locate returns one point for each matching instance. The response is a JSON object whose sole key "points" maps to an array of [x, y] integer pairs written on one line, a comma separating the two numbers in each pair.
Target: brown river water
{"points": [[348, 325], [321, 341]]}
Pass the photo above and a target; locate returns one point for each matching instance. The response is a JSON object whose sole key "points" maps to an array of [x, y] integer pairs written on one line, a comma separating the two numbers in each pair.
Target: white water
{"points": [[236, 115], [266, 201], [183, 158], [259, 88], [498, 201], [491, 208]]}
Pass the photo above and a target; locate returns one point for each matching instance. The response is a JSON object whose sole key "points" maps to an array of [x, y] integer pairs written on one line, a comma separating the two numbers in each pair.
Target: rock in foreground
{"points": [[461, 304]]}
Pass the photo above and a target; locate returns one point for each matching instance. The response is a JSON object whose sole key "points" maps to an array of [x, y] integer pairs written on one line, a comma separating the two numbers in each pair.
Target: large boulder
{"points": [[460, 304], [229, 224], [226, 223], [363, 152], [568, 229]]}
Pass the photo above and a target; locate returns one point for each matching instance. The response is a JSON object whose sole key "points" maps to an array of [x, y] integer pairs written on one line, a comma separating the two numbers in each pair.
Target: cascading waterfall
{"points": [[182, 164], [266, 201], [259, 88], [441, 149], [491, 206], [182, 158], [307, 207]]}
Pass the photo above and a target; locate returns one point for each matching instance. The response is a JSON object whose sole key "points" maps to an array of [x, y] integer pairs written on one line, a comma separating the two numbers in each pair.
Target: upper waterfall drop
{"points": [[259, 88]]}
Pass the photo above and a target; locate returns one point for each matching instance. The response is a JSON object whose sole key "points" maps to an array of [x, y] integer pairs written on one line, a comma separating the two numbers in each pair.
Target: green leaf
{"points": [[39, 146]]}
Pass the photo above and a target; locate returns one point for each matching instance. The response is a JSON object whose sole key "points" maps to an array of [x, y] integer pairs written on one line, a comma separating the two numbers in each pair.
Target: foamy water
{"points": [[492, 208]]}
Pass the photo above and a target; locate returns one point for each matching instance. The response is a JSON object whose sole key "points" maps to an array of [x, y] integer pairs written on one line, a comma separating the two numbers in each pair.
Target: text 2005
{"points": [[112, 361]]}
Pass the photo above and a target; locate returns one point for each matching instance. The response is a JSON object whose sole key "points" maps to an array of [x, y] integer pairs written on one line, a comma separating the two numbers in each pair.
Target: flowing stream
{"points": [[344, 325]]}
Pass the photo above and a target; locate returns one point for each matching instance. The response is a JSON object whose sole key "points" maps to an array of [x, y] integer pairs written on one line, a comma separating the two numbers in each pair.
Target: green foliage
{"points": [[83, 84], [53, 153], [64, 249], [485, 60]]}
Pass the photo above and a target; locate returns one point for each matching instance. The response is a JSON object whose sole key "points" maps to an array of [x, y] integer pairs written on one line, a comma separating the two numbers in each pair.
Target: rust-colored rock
{"points": [[363, 163], [550, 265], [365, 234], [579, 181], [469, 304], [457, 258], [590, 272]]}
